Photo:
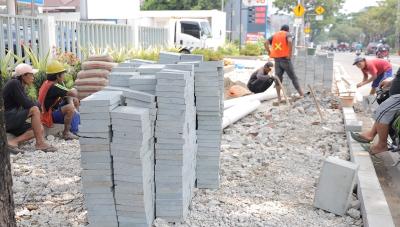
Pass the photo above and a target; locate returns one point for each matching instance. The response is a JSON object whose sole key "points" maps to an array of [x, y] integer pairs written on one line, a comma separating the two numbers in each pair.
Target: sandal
{"points": [[357, 137], [14, 150]]}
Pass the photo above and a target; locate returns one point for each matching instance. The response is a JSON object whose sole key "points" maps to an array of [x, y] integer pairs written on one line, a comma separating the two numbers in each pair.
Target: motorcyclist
{"points": [[358, 49], [382, 49]]}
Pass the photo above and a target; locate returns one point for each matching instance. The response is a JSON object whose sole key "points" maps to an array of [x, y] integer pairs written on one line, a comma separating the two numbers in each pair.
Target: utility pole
{"points": [[222, 5], [11, 7], [32, 7], [240, 25], [397, 39]]}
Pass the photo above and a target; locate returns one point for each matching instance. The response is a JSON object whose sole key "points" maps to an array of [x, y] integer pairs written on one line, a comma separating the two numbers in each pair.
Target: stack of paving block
{"points": [[175, 144], [133, 159], [143, 100], [144, 83], [96, 160], [121, 79], [125, 67], [209, 106], [169, 58]]}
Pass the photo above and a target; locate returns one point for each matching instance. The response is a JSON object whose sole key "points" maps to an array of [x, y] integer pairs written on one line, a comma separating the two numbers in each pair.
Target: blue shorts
{"points": [[381, 78], [58, 118]]}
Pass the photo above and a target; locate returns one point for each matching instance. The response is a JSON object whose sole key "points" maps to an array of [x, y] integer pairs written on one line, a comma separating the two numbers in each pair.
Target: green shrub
{"points": [[229, 49], [209, 54], [251, 49]]}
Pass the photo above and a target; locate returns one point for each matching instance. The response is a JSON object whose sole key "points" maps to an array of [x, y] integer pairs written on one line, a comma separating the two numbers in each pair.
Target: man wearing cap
{"points": [[279, 47], [18, 108], [379, 69], [58, 102], [383, 116]]}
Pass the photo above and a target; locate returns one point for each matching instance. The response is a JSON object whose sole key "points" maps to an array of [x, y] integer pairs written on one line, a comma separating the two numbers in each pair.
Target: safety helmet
{"points": [[54, 67]]}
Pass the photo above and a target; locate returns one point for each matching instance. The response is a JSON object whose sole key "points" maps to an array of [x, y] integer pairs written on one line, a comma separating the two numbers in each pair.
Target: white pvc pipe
{"points": [[267, 95], [239, 111]]}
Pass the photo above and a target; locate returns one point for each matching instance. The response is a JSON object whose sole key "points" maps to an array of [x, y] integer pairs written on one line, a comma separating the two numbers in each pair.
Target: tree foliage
{"points": [[371, 24], [331, 7], [181, 4]]}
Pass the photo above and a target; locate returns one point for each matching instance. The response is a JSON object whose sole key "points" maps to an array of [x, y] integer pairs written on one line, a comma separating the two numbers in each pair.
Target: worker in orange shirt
{"points": [[279, 47]]}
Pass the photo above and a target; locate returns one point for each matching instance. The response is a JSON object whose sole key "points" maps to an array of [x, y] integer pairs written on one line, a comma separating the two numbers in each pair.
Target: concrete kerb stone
{"points": [[374, 208]]}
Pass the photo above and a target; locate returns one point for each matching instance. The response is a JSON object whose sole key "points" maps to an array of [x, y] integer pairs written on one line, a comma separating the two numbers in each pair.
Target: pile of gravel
{"points": [[270, 164], [47, 186]]}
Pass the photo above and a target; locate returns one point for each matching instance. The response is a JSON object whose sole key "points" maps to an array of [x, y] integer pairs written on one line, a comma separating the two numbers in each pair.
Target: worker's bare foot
{"points": [[376, 149], [12, 143], [69, 136], [45, 148]]}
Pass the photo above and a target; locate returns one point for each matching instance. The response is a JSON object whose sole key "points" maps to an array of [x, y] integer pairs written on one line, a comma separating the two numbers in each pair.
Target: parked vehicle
{"points": [[382, 51], [189, 29], [371, 48]]}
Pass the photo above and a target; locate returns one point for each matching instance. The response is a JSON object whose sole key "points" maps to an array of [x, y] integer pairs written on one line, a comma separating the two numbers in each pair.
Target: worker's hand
{"points": [[360, 84], [385, 84], [73, 92]]}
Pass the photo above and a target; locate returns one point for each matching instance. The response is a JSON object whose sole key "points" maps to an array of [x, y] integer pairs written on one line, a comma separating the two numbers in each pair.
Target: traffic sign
{"points": [[319, 17], [299, 10], [307, 30], [37, 2], [320, 10]]}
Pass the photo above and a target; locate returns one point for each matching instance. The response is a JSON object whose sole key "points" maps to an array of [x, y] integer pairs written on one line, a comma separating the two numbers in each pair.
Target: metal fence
{"points": [[152, 37], [44, 33], [76, 36], [18, 31]]}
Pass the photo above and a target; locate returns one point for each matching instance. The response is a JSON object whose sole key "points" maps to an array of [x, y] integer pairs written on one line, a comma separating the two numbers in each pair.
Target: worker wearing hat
{"points": [[18, 108], [379, 69], [59, 104]]}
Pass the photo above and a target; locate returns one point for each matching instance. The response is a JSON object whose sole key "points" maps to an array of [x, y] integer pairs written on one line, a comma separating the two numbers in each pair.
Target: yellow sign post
{"points": [[299, 10], [307, 30], [320, 10]]}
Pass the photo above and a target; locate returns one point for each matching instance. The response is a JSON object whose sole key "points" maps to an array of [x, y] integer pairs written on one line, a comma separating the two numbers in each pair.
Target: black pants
{"points": [[285, 65], [16, 121]]}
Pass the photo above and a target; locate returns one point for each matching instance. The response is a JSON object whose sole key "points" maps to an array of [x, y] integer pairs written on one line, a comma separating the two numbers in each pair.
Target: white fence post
{"points": [[135, 32], [49, 34]]}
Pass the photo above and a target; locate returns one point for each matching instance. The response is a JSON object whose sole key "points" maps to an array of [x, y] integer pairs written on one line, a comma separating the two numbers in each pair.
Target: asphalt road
{"points": [[354, 73]]}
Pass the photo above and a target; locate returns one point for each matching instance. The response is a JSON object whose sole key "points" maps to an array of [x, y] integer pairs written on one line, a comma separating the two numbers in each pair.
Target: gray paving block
{"points": [[335, 185]]}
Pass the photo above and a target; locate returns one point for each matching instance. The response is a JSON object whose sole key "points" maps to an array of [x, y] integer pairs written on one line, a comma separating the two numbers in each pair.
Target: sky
{"points": [[351, 6]]}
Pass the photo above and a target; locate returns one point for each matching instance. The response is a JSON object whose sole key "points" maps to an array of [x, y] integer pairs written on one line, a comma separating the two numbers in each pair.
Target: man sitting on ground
{"points": [[18, 108], [383, 116], [58, 102]]}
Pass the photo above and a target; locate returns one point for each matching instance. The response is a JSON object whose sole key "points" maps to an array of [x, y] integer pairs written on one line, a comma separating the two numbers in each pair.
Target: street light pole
{"points": [[240, 25], [397, 39]]}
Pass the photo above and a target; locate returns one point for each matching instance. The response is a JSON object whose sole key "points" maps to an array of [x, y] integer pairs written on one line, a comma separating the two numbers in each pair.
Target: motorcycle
{"points": [[358, 52]]}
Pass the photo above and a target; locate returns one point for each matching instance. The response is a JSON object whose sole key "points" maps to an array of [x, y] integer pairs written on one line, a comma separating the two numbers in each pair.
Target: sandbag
{"points": [[93, 73], [106, 58], [88, 65], [86, 90], [237, 91], [91, 82]]}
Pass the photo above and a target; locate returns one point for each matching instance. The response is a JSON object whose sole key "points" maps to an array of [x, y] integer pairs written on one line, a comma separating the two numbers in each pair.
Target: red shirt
{"points": [[376, 67]]}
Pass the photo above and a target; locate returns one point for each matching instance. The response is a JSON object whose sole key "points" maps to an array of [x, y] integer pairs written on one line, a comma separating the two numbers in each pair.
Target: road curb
{"points": [[374, 208]]}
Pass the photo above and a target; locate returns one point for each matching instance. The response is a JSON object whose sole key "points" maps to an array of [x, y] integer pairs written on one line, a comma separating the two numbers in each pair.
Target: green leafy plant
{"points": [[229, 49], [8, 64], [251, 49], [209, 54], [36, 61]]}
